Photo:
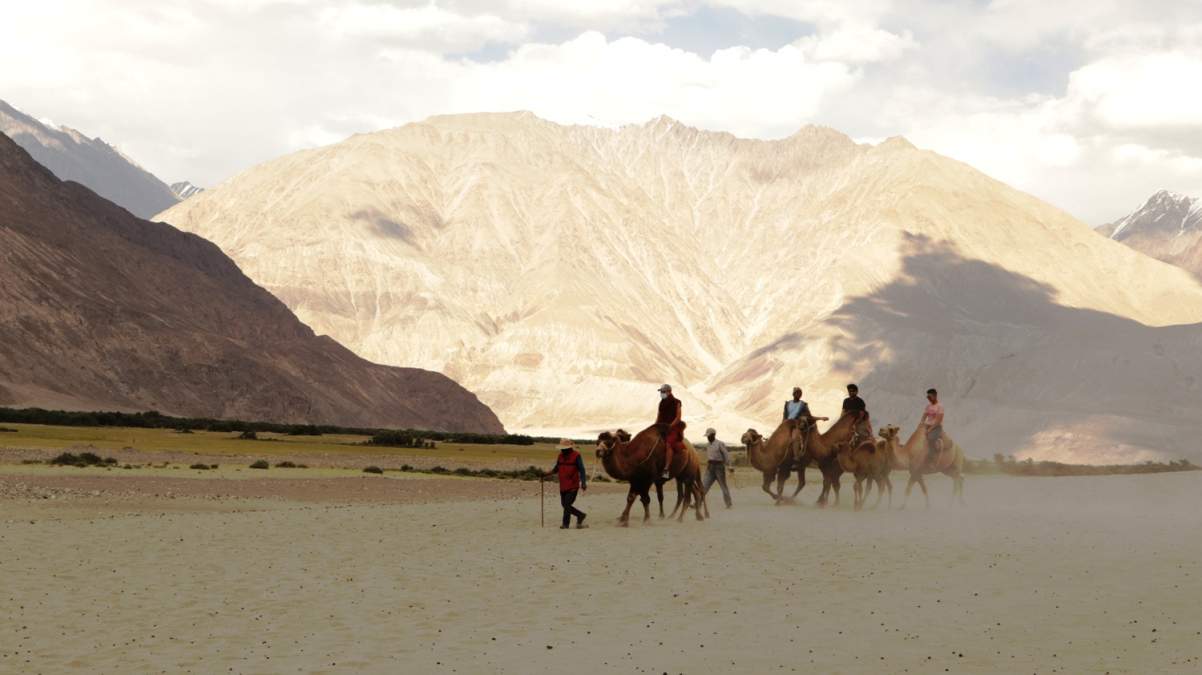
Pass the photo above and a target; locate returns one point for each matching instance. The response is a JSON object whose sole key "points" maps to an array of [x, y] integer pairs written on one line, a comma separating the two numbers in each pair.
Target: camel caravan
{"points": [[660, 454]]}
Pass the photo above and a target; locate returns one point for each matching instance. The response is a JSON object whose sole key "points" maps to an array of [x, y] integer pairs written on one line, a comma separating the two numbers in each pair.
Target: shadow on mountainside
{"points": [[1014, 367]]}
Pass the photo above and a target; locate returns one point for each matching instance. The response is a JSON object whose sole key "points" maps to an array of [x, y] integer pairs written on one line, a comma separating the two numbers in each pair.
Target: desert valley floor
{"points": [[156, 573]]}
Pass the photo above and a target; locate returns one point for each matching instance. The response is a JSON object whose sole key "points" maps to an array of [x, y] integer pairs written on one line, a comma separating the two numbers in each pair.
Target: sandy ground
{"points": [[1038, 575]]}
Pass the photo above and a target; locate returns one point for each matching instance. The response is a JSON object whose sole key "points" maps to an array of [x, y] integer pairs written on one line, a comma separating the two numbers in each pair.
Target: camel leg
{"points": [[684, 497], [909, 486], [704, 502], [624, 519], [859, 493], [646, 499], [925, 495], [835, 484], [782, 476], [826, 489], [889, 484], [659, 494], [679, 498], [957, 487], [767, 486], [880, 492], [801, 481]]}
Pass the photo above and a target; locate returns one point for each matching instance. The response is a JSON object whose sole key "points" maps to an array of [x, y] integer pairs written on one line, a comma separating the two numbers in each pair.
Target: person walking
{"points": [[932, 421], [569, 468], [718, 458]]}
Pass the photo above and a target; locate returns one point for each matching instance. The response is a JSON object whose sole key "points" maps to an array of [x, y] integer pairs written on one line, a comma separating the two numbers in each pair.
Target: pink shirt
{"points": [[931, 415]]}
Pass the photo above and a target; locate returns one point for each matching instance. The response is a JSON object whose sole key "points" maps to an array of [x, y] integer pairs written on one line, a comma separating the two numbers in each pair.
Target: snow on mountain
{"points": [[1167, 227], [562, 272], [184, 189], [71, 155]]}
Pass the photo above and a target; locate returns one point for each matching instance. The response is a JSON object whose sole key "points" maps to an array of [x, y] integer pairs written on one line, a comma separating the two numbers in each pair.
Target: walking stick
{"points": [[542, 501]]}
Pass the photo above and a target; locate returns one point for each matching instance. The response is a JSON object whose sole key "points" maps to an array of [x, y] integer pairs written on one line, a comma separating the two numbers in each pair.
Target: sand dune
{"points": [[1038, 575]]}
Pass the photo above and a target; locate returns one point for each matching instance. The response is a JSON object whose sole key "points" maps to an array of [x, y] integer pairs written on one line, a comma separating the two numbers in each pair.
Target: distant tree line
{"points": [[154, 420], [1030, 467]]}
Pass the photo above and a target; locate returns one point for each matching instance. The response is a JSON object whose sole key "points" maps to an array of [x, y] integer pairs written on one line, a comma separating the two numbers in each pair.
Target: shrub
{"points": [[285, 465], [248, 436], [261, 464], [373, 469], [84, 459], [201, 467], [439, 469], [6, 430], [406, 467], [463, 471]]}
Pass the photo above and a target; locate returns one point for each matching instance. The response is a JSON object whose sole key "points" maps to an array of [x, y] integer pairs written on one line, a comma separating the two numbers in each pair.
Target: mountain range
{"points": [[1167, 227], [563, 272], [102, 310], [71, 155]]}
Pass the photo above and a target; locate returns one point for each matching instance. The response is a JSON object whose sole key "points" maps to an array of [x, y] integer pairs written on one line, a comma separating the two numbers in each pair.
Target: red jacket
{"points": [[570, 467]]}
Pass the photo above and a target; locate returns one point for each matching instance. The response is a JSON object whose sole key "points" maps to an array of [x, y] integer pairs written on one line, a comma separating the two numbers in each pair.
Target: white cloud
{"points": [[428, 25], [1086, 103], [857, 44], [1143, 91]]}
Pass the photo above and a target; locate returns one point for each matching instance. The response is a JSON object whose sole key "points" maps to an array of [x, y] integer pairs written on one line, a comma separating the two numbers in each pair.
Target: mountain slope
{"points": [[1167, 227], [562, 272], [72, 156], [101, 310]]}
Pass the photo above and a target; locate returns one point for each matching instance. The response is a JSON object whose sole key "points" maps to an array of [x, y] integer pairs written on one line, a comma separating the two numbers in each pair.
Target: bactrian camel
{"points": [[950, 462], [870, 462], [771, 456], [640, 462]]}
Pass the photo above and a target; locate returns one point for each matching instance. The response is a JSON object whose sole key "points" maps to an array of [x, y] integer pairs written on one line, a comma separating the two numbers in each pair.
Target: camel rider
{"points": [[668, 423], [797, 415], [932, 421], [854, 405], [569, 468]]}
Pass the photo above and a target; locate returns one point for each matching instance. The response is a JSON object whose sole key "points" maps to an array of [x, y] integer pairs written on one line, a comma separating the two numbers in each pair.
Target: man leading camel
{"points": [[668, 422], [797, 414], [932, 421], [569, 468], [855, 405]]}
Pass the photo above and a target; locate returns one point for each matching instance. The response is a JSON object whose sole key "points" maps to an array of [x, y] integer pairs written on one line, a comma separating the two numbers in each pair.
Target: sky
{"points": [[1092, 105]]}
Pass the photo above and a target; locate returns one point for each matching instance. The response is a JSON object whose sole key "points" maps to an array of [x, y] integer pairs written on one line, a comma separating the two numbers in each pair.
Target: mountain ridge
{"points": [[72, 155], [563, 271], [101, 310]]}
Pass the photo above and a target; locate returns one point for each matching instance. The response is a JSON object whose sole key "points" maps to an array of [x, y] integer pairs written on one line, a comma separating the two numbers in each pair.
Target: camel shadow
{"points": [[1014, 366]]}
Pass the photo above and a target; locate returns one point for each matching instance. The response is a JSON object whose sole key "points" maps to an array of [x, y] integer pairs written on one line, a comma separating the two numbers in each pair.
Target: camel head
{"points": [[605, 443], [751, 437], [608, 440], [889, 431]]}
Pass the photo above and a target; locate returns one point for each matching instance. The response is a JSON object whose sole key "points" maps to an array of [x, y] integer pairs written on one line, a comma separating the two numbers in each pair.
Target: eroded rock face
{"points": [[564, 272], [1167, 227], [101, 310]]}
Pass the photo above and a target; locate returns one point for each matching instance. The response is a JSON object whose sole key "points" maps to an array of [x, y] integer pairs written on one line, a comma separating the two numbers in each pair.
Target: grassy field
{"points": [[43, 437]]}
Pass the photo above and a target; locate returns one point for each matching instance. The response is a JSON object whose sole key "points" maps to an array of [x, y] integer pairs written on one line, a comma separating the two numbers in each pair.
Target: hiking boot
{"points": [[563, 527], [580, 523]]}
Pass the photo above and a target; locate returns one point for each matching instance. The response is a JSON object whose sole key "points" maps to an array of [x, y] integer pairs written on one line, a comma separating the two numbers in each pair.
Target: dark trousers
{"points": [[716, 471], [567, 499]]}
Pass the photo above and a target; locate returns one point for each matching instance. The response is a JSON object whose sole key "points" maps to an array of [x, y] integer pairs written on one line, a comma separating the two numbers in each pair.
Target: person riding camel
{"points": [[669, 425], [854, 405], [932, 421], [797, 415]]}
